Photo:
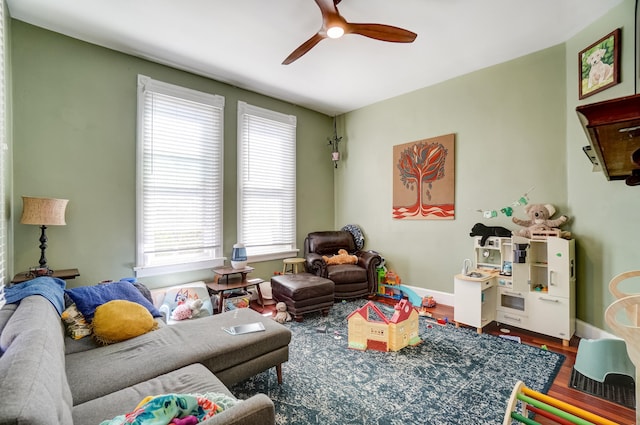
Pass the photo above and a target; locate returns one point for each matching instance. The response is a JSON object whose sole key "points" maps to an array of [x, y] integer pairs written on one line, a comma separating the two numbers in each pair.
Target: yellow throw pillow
{"points": [[119, 320]]}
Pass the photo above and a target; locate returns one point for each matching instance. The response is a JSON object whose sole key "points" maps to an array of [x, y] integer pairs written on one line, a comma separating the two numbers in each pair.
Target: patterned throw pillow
{"points": [[74, 323]]}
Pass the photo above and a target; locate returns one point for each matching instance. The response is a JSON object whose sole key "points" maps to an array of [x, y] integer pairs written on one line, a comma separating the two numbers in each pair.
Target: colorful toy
{"points": [[390, 286], [539, 225], [187, 309], [558, 411], [387, 285], [369, 327], [429, 302], [282, 315]]}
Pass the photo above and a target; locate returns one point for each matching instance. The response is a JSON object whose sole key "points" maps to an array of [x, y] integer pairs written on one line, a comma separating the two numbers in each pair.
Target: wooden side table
{"points": [[225, 272], [65, 274], [221, 283]]}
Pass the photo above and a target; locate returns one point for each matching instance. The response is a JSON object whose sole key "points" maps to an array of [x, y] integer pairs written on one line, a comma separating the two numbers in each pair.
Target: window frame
{"points": [[143, 267], [283, 119]]}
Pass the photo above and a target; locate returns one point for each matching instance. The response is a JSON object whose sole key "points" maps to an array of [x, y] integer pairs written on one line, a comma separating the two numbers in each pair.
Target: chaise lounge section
{"points": [[48, 378]]}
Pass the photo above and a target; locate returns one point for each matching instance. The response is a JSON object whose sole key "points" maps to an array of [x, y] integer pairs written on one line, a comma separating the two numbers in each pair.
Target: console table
{"points": [[221, 283], [65, 274]]}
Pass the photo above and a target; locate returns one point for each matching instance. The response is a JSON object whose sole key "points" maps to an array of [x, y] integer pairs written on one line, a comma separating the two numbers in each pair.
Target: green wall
{"points": [[606, 224], [516, 128], [509, 127], [74, 108]]}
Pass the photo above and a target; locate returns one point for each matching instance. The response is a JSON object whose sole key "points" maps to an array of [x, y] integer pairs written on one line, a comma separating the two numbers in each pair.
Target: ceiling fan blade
{"points": [[382, 32], [304, 48]]}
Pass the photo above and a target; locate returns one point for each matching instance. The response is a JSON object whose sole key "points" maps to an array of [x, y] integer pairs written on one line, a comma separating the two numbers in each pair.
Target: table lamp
{"points": [[43, 212]]}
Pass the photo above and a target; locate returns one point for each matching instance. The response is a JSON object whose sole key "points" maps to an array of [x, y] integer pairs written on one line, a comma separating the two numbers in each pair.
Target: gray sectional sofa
{"points": [[49, 378]]}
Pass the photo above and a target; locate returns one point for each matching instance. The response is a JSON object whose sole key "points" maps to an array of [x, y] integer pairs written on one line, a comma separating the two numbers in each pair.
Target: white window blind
{"points": [[266, 182], [179, 194], [3, 159]]}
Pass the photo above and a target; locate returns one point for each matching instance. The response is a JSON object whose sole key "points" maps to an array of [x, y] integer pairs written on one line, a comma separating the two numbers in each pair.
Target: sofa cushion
{"points": [[346, 273], [34, 385], [194, 378], [171, 347], [329, 242], [88, 298], [119, 320]]}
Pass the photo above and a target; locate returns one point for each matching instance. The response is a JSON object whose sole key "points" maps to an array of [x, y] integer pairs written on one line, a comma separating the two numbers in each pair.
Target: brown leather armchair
{"points": [[351, 280]]}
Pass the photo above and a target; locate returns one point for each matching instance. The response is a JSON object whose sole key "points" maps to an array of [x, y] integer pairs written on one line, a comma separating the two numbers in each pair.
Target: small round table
{"points": [[292, 263]]}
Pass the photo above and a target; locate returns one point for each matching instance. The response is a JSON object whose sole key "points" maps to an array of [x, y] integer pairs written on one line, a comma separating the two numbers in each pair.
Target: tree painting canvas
{"points": [[424, 180]]}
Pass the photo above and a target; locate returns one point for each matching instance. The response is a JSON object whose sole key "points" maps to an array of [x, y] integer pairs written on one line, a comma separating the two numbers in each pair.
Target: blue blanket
{"points": [[51, 288]]}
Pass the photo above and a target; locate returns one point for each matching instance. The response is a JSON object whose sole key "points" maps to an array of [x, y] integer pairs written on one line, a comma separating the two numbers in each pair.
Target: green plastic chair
{"points": [[597, 358]]}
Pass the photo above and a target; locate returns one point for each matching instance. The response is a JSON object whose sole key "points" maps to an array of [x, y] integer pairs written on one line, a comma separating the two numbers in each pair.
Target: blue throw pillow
{"points": [[88, 298]]}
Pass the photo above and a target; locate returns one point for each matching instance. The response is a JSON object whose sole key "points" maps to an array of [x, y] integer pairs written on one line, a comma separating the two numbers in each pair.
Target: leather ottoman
{"points": [[303, 293]]}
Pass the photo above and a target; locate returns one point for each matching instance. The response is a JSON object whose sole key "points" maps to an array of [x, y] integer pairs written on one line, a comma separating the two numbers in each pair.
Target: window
{"points": [[179, 192], [266, 182], [4, 242]]}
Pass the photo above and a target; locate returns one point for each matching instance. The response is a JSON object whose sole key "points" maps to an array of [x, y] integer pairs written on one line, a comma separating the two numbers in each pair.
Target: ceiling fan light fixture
{"points": [[335, 32]]}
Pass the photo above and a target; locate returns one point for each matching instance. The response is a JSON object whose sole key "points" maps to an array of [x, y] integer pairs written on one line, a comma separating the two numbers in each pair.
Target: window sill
{"points": [[273, 256], [177, 268]]}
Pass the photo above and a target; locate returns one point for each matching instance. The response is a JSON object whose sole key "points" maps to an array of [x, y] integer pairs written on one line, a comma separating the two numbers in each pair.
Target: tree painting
{"points": [[423, 179]]}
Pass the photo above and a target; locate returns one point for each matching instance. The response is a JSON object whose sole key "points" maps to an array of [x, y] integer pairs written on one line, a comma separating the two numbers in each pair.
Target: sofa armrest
{"points": [[257, 410], [370, 260], [367, 259], [316, 265]]}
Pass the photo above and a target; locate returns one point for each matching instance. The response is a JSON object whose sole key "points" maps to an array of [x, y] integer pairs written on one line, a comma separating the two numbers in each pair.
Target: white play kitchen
{"points": [[527, 283]]}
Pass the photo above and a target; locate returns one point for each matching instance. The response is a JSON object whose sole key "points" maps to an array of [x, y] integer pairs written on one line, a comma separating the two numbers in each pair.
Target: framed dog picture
{"points": [[599, 65]]}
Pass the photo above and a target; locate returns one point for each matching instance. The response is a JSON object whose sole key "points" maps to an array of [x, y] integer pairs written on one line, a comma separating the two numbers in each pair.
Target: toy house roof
{"points": [[364, 312], [402, 311]]}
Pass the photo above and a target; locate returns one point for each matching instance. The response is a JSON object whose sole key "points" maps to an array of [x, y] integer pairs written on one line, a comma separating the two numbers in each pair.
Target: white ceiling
{"points": [[243, 42]]}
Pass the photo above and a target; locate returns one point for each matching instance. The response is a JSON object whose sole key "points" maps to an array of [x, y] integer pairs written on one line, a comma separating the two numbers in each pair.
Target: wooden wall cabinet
{"points": [[613, 129]]}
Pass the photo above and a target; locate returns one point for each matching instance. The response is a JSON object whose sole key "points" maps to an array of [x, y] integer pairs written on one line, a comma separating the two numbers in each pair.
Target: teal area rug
{"points": [[455, 376]]}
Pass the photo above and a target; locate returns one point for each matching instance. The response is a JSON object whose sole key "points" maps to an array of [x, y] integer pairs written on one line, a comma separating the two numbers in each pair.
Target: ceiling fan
{"points": [[335, 26]]}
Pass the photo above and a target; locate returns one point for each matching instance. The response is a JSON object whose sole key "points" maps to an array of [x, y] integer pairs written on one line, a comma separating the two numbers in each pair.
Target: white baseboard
{"points": [[444, 298], [588, 331], [583, 329]]}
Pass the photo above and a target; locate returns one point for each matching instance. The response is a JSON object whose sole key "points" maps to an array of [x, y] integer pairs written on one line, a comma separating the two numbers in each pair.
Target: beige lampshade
{"points": [[43, 211]]}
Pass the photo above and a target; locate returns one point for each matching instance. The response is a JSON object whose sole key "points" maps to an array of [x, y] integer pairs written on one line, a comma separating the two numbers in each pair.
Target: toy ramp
{"points": [[414, 298]]}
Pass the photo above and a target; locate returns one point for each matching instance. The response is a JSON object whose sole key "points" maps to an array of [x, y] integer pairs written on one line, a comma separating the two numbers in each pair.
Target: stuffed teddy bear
{"points": [[540, 219], [282, 315], [195, 306], [342, 257]]}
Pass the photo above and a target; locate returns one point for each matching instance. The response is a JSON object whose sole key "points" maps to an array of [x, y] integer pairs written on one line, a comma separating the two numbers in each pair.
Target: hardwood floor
{"points": [[560, 387]]}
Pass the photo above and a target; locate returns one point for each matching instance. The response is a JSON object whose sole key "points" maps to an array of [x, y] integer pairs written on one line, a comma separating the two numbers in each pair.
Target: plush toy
{"points": [[195, 306], [282, 315], [342, 257], [187, 310], [480, 229], [182, 312], [540, 220]]}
